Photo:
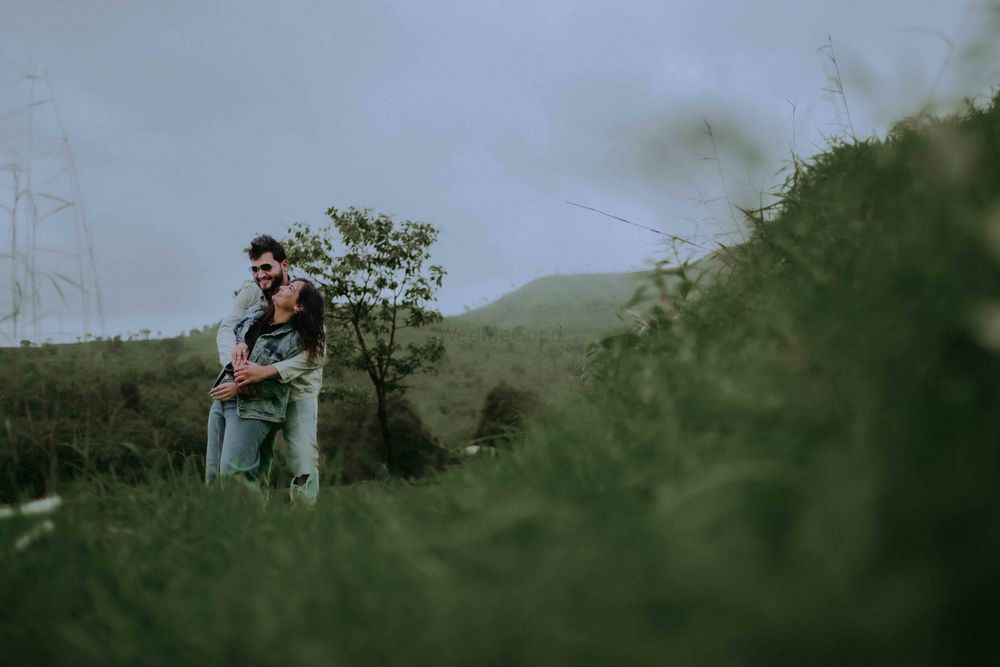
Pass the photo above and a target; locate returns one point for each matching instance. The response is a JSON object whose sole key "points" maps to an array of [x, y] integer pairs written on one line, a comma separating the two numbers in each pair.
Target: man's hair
{"points": [[264, 243]]}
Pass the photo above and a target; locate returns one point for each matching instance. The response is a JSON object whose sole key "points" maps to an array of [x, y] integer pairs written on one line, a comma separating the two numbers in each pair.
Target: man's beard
{"points": [[276, 284]]}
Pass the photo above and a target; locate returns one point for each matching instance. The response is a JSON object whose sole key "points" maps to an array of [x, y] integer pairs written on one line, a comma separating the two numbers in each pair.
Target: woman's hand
{"points": [[224, 392], [251, 372], [240, 354]]}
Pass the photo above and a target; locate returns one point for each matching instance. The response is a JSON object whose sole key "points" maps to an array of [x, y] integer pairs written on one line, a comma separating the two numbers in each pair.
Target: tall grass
{"points": [[797, 466], [103, 407]]}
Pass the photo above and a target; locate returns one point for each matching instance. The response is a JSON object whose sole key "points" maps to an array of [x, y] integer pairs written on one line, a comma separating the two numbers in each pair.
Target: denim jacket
{"points": [[266, 400], [304, 375]]}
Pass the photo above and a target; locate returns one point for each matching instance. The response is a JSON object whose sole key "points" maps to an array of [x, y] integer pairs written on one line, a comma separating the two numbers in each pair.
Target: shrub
{"points": [[503, 414], [351, 444]]}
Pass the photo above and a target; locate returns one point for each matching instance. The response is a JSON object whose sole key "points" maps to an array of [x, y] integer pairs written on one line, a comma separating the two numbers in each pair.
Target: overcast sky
{"points": [[197, 124]]}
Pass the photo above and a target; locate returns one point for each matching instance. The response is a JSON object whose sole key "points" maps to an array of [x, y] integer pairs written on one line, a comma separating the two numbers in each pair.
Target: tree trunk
{"points": [[383, 424]]}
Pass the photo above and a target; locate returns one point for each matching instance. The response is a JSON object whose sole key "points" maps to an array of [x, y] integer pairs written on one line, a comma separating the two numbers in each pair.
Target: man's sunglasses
{"points": [[266, 268]]}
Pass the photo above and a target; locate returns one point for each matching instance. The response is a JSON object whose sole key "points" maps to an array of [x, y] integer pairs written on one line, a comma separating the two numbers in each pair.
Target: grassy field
{"points": [[799, 466]]}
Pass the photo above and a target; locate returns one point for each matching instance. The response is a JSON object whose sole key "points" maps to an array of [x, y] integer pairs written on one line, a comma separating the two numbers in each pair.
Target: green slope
{"points": [[536, 338], [580, 304]]}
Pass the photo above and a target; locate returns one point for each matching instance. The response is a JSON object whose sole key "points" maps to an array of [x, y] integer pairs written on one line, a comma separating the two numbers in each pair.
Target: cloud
{"points": [[196, 125]]}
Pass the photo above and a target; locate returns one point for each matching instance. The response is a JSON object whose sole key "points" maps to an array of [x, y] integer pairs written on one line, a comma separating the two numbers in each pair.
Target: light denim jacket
{"points": [[266, 400], [305, 376]]}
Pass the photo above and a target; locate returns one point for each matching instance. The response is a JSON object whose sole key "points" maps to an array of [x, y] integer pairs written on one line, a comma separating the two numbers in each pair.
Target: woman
{"points": [[242, 418]]}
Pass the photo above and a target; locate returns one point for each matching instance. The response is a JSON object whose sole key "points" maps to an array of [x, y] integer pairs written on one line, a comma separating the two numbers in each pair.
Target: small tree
{"points": [[377, 286]]}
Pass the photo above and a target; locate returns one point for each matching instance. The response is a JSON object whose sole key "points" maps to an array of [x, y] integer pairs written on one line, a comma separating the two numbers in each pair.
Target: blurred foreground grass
{"points": [[801, 466]]}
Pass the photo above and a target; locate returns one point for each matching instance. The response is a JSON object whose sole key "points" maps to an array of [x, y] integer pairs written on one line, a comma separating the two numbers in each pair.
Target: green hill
{"points": [[535, 338], [580, 304], [587, 304]]}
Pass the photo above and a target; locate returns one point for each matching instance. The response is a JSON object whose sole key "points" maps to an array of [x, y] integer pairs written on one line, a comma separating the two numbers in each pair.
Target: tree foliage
{"points": [[375, 275]]}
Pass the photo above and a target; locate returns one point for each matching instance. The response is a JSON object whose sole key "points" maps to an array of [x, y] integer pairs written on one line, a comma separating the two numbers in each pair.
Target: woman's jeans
{"points": [[299, 430], [234, 444]]}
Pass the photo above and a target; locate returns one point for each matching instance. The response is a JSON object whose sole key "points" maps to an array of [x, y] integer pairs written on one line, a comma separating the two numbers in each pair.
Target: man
{"points": [[269, 268]]}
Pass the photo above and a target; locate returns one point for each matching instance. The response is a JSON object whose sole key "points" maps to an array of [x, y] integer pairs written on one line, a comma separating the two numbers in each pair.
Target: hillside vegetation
{"points": [[124, 405], [799, 466]]}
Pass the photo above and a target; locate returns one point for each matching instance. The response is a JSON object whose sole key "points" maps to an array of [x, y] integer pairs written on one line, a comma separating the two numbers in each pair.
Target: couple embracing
{"points": [[272, 348]]}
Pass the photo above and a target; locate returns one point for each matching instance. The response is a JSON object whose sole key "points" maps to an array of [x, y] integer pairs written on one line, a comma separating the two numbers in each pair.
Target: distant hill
{"points": [[534, 338], [582, 304]]}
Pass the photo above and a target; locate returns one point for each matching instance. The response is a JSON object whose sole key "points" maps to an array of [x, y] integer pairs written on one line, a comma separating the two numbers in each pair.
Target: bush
{"points": [[825, 419], [503, 414], [351, 443]]}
